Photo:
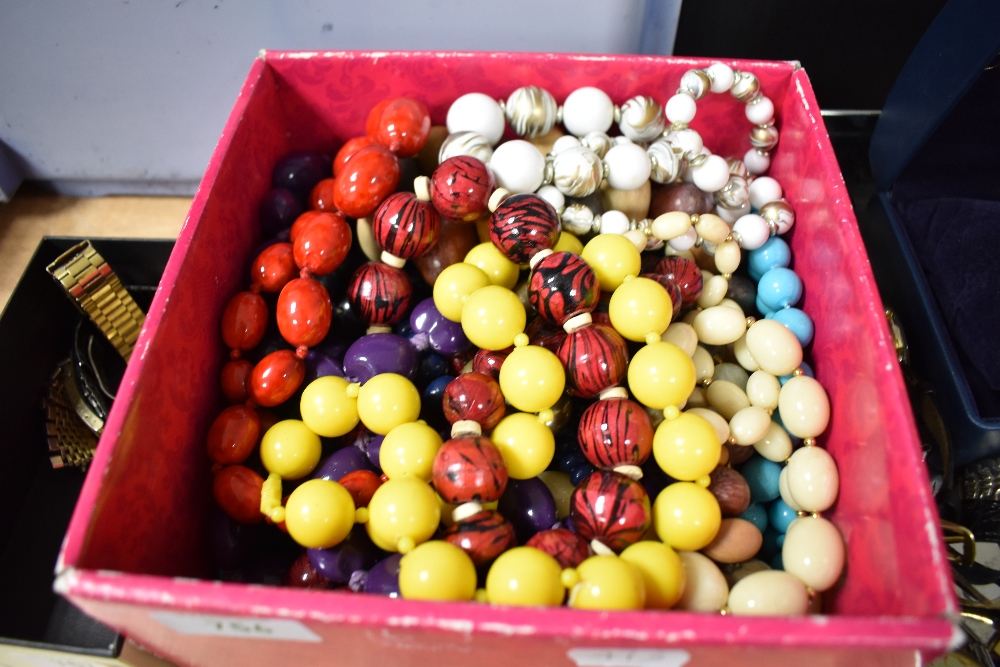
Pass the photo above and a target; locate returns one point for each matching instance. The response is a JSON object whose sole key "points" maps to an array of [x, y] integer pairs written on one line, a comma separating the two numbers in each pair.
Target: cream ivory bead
{"points": [[712, 174], [731, 373], [588, 110], [518, 166], [804, 407], [749, 425], [761, 111], [763, 389], [705, 587], [681, 109], [726, 398], [783, 491], [712, 228], [628, 166], [763, 190], [720, 325], [722, 77], [813, 480], [683, 336], [774, 347], [814, 552], [752, 231], [671, 225], [727, 257], [769, 593], [479, 113], [697, 399], [713, 291], [743, 355], [757, 162], [776, 445], [704, 365], [720, 425], [729, 303], [366, 239]]}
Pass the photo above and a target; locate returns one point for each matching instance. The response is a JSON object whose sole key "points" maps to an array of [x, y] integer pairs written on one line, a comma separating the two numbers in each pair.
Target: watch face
{"points": [[97, 368]]}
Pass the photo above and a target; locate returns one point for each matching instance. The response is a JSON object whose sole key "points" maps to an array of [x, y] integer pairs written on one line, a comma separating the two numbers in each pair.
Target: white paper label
{"points": [[236, 626], [628, 657], [44, 659]]}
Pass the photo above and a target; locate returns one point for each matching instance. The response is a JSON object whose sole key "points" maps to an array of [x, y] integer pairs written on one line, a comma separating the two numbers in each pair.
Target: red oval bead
{"points": [[406, 227], [322, 243], [467, 469], [362, 485], [321, 197], [522, 225], [274, 267], [237, 490], [235, 380], [276, 378], [304, 312], [370, 176], [402, 125], [475, 397], [484, 536], [564, 545], [244, 321], [375, 117], [595, 358], [461, 187], [380, 294], [233, 435], [562, 285], [615, 432], [611, 508], [300, 223], [348, 150]]}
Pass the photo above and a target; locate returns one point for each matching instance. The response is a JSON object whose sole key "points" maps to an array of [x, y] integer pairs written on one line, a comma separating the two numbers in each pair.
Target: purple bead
{"points": [[378, 353], [333, 348], [278, 210], [300, 172], [445, 337], [338, 563], [529, 506], [230, 541], [320, 365], [374, 449], [342, 462], [383, 578]]}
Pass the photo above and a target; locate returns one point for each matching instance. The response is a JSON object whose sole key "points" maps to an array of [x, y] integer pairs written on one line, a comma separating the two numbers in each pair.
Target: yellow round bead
{"points": [[608, 582], [326, 407], [568, 243], [686, 516], [319, 514], [532, 378], [662, 571], [409, 449], [402, 511], [290, 449], [454, 285], [386, 401], [687, 447], [527, 445], [492, 317], [639, 307], [661, 374], [612, 257], [500, 270], [525, 576], [437, 570]]}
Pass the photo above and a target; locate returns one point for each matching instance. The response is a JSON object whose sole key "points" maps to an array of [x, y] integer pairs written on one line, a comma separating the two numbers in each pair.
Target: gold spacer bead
{"points": [[809, 442]]}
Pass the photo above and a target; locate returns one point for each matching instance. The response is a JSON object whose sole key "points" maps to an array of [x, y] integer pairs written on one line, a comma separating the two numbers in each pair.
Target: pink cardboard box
{"points": [[135, 556]]}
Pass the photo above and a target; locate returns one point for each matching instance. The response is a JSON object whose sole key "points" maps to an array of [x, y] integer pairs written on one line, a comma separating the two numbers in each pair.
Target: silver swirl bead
{"points": [[599, 142], [696, 83], [577, 171], [734, 194], [745, 87], [466, 143], [764, 137], [531, 111], [578, 219], [642, 119], [737, 167], [779, 215], [665, 163]]}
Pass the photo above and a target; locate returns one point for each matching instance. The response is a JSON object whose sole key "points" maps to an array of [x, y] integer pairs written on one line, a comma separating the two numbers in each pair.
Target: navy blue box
{"points": [[935, 158]]}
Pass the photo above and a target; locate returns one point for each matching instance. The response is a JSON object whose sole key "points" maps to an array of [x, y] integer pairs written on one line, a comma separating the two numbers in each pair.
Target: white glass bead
{"points": [[757, 162], [813, 480], [518, 166], [731, 215], [752, 230], [578, 219], [681, 108], [551, 194], [685, 241], [804, 406], [769, 593], [614, 222], [466, 143], [628, 166], [776, 445], [670, 225], [588, 110], [531, 111], [665, 163], [563, 143], [722, 77], [599, 142], [577, 171], [688, 142], [683, 336], [641, 119], [718, 325], [761, 111], [775, 348], [735, 193], [479, 113], [763, 190], [814, 552], [712, 174]]}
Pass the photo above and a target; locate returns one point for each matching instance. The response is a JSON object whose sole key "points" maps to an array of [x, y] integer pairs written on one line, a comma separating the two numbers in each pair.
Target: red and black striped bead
{"points": [[595, 358], [562, 286], [405, 226], [610, 508], [568, 548], [461, 187], [474, 397], [673, 290], [685, 273], [484, 536], [545, 334], [615, 432], [469, 469], [522, 225], [380, 294]]}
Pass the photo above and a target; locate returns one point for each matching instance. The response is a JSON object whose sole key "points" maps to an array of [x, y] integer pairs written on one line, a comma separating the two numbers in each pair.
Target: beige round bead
{"points": [[671, 225], [704, 364], [804, 407], [814, 552], [737, 540], [689, 316], [719, 325], [366, 239], [729, 303], [769, 593], [776, 445], [786, 495], [749, 425], [774, 347], [712, 228], [705, 587], [713, 291], [727, 257], [697, 399], [763, 389], [720, 425], [813, 480], [726, 398], [742, 570], [683, 336], [743, 355], [670, 251]]}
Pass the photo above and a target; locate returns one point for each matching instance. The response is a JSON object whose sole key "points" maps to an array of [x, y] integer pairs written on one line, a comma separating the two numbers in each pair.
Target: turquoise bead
{"points": [[779, 288], [762, 477], [757, 515], [762, 307], [795, 321], [775, 252], [777, 563], [780, 515], [771, 545]]}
